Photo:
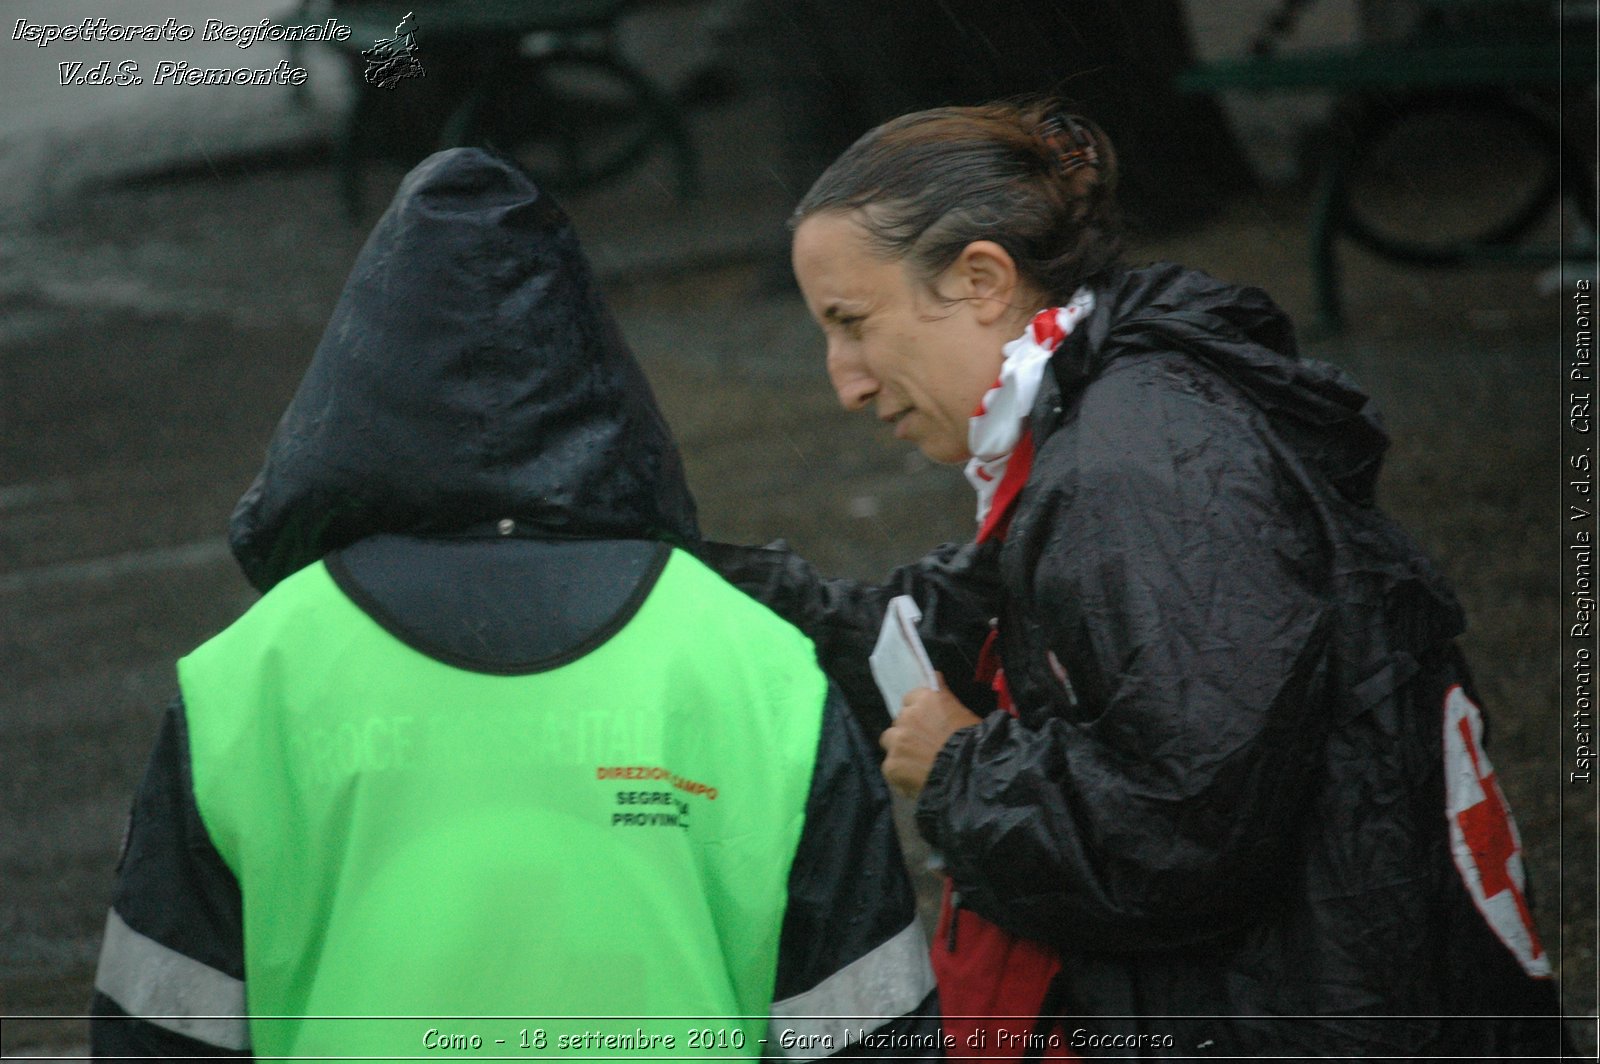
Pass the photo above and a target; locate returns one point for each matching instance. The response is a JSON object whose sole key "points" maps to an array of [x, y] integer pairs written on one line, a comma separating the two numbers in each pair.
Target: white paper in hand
{"points": [[899, 661]]}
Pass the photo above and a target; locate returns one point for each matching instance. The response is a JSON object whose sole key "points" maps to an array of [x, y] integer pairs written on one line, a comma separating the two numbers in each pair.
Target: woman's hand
{"points": [[927, 720]]}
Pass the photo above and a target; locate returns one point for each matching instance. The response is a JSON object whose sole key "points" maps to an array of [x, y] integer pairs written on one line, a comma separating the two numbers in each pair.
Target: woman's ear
{"points": [[985, 275]]}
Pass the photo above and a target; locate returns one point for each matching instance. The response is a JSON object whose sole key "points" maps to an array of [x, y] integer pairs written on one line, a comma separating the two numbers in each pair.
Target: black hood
{"points": [[470, 372], [1314, 407]]}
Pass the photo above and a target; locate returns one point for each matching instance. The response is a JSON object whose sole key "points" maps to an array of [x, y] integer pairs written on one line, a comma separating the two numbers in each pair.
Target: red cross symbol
{"points": [[1486, 828]]}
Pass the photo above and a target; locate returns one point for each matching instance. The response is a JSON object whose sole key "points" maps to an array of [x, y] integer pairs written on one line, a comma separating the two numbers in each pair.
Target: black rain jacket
{"points": [[480, 460], [1223, 797]]}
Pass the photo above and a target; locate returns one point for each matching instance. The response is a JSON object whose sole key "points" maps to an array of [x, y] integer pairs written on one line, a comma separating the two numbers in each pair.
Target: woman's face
{"points": [[923, 363]]}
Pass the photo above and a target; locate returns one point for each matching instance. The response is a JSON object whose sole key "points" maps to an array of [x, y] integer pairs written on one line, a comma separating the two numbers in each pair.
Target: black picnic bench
{"points": [[1509, 62], [541, 79]]}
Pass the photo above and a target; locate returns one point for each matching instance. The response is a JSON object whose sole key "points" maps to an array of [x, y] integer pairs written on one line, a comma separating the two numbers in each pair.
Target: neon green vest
{"points": [[609, 838]]}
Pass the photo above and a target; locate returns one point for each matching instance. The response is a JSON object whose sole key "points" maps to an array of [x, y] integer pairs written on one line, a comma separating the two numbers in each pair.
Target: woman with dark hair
{"points": [[1206, 768]]}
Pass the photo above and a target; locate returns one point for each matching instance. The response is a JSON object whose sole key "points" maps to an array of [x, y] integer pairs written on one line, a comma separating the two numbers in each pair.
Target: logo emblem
{"points": [[393, 59]]}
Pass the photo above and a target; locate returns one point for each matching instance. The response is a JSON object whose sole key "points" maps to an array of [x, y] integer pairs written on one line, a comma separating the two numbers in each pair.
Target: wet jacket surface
{"points": [[479, 459], [1223, 799]]}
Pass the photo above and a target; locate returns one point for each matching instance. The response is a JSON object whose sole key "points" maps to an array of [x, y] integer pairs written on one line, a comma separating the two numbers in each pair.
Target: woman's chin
{"points": [[944, 452]]}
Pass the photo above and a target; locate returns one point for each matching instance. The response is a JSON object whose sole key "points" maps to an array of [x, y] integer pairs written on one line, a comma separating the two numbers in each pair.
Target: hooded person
{"points": [[492, 743], [1207, 770]]}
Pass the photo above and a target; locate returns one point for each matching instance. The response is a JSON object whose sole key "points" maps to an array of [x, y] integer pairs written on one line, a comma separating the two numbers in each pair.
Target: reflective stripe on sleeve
{"points": [[888, 982], [161, 986]]}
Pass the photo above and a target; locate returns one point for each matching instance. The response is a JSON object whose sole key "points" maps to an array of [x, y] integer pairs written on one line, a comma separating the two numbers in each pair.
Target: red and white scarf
{"points": [[997, 434]]}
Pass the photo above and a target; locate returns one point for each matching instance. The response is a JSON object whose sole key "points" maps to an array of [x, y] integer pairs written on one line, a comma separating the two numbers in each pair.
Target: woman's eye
{"points": [[851, 326]]}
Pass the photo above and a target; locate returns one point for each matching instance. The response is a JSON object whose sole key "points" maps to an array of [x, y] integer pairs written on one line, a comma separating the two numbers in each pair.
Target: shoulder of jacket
{"points": [[284, 605], [732, 608], [1141, 381]]}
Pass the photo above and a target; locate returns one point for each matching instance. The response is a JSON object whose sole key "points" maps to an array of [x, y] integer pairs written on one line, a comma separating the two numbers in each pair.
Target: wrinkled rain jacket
{"points": [[477, 462], [1245, 798]]}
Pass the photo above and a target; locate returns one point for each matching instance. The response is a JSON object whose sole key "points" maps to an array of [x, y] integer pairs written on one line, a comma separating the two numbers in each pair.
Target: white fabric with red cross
{"points": [[1483, 835]]}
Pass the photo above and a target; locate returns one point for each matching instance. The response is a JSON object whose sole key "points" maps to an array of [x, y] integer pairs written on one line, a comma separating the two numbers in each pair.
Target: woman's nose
{"points": [[854, 386]]}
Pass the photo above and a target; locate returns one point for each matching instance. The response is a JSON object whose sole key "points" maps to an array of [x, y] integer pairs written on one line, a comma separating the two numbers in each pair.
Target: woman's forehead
{"points": [[831, 235], [833, 252]]}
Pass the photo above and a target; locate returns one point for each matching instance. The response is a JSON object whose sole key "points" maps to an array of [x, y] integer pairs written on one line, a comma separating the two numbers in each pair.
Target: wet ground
{"points": [[151, 334]]}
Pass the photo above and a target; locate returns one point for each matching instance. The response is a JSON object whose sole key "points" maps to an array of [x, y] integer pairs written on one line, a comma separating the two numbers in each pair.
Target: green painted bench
{"points": [[1498, 61]]}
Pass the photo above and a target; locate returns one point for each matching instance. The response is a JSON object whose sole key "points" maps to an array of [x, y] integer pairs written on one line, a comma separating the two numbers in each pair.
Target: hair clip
{"points": [[1069, 138]]}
